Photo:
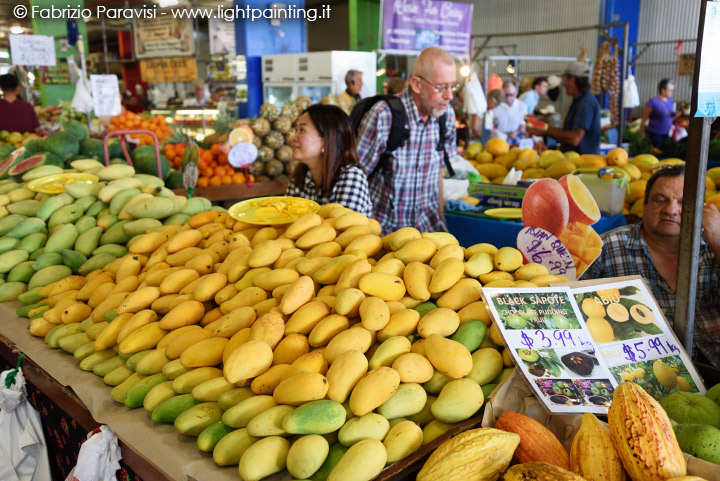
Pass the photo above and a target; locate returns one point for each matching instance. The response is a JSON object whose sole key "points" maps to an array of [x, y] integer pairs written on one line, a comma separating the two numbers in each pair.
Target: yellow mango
{"points": [[306, 317], [376, 387], [448, 356], [248, 360], [413, 367], [460, 295], [301, 388], [300, 292]]}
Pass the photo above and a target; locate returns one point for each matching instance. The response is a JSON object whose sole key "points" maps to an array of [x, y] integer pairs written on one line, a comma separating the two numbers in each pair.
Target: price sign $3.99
{"points": [[557, 338]]}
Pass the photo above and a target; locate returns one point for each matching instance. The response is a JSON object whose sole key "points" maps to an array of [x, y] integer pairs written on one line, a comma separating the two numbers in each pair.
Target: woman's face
{"points": [[307, 145], [669, 90]]}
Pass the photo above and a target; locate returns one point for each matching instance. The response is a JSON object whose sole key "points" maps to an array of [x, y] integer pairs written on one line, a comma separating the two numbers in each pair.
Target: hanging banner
{"points": [[58, 75], [168, 70], [708, 103], [417, 24], [222, 36], [164, 36]]}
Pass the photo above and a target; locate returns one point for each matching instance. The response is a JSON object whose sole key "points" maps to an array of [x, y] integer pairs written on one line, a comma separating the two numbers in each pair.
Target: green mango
{"points": [[27, 208], [33, 225], [88, 241], [22, 272], [115, 250], [94, 263], [33, 242], [31, 296], [140, 226], [96, 208], [10, 259], [115, 234], [8, 244], [11, 290], [63, 238], [9, 222], [35, 255], [85, 223], [49, 275], [74, 260], [47, 259], [86, 202], [66, 214], [177, 219]]}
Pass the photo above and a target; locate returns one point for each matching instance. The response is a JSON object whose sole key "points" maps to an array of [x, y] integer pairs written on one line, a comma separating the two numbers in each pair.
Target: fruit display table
{"points": [[243, 191], [472, 229], [73, 402]]}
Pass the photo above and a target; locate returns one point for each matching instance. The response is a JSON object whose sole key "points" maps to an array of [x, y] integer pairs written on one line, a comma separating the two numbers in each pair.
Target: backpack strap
{"points": [[399, 130], [442, 125]]}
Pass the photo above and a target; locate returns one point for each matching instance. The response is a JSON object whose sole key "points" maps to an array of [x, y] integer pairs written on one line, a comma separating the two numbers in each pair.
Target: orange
{"points": [[215, 180], [203, 182], [223, 159], [207, 172], [179, 148], [238, 178], [215, 149], [220, 171], [227, 180], [250, 178]]}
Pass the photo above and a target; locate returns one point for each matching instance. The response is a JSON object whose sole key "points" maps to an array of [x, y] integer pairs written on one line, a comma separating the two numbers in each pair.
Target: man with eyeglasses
{"points": [[510, 115], [406, 190], [650, 249]]}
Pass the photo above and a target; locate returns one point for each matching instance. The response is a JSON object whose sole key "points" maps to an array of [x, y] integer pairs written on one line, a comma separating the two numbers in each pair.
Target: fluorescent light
{"points": [[5, 54], [167, 3], [465, 70], [380, 72], [17, 29]]}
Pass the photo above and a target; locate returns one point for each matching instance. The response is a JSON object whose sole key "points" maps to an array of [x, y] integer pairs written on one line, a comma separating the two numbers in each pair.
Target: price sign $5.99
{"points": [[638, 351], [556, 338]]}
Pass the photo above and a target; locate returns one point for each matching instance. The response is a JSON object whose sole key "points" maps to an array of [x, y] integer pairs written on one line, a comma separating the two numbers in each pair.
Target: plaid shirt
{"points": [[351, 190], [405, 192], [625, 254]]}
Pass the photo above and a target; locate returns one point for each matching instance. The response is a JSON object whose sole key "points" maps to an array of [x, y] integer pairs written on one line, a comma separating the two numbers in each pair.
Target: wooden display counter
{"points": [[242, 191]]}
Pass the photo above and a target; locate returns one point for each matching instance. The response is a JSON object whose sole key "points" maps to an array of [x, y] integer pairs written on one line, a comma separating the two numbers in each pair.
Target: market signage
{"points": [[32, 50], [168, 70], [574, 346], [417, 24], [222, 36], [58, 75], [163, 37]]}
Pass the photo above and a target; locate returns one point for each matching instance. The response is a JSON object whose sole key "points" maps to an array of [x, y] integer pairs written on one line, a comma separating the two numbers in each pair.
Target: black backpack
{"points": [[399, 130]]}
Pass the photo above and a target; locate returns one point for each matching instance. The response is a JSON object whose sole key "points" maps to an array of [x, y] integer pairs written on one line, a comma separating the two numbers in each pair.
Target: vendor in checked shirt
{"points": [[650, 249], [407, 192]]}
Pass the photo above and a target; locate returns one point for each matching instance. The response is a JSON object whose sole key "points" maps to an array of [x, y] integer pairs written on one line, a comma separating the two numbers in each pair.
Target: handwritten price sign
{"points": [[542, 247], [655, 347], [553, 339]]}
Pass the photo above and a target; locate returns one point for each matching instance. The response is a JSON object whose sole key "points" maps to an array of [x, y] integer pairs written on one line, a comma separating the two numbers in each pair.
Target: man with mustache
{"points": [[406, 190], [650, 249]]}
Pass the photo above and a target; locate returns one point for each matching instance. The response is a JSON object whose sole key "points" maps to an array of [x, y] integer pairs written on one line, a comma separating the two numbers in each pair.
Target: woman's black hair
{"points": [[664, 84], [340, 149]]}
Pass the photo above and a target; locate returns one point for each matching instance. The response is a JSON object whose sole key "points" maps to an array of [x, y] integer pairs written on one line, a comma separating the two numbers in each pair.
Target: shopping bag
{"points": [[99, 457], [23, 452], [631, 96], [475, 102], [82, 100]]}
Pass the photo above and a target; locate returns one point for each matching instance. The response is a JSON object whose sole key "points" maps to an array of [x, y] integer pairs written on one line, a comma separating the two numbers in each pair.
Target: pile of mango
{"points": [[496, 158], [319, 346], [47, 237]]}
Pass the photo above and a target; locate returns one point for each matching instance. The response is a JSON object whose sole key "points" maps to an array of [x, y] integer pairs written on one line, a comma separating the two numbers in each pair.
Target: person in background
{"points": [[16, 115], [661, 112], [538, 90], [324, 144], [510, 115], [131, 103], [494, 98], [403, 189], [396, 85], [581, 129], [650, 249], [354, 83]]}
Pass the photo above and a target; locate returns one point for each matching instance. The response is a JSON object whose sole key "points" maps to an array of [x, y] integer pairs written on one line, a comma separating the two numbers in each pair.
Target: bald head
{"points": [[430, 59]]}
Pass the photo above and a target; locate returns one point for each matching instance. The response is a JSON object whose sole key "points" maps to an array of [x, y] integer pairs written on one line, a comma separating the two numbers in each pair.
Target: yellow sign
{"points": [[168, 70]]}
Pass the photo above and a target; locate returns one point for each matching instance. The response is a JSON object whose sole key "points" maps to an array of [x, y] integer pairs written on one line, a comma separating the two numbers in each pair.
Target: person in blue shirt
{"points": [[581, 129], [532, 97]]}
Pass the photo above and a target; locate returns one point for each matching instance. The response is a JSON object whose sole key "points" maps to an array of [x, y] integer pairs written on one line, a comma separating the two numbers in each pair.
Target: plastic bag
{"points": [[99, 457], [23, 451], [475, 102], [631, 96], [677, 132], [82, 100]]}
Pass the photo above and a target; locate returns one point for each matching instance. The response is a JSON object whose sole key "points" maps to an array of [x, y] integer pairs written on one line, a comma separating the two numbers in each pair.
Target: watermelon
{"points": [[34, 144], [144, 161], [92, 149], [62, 144], [15, 156], [5, 150], [77, 129], [24, 165], [174, 180], [114, 149], [51, 159]]}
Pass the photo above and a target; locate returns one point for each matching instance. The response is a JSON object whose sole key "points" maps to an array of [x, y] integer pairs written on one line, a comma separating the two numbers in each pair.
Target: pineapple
{"points": [[284, 153], [268, 111], [274, 140]]}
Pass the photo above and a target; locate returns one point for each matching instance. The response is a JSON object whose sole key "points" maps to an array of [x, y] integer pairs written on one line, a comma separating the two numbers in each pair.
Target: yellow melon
{"points": [[497, 147]]}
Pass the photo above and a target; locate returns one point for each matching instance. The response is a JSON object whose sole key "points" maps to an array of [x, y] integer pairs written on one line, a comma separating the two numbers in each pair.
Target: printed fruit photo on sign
{"points": [[658, 377]]}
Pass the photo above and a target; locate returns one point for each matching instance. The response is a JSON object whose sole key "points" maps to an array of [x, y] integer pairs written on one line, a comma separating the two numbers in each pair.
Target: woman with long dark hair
{"points": [[324, 144]]}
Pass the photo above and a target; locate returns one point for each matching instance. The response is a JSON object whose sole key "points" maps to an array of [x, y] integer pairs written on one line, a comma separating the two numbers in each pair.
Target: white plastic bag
{"points": [[455, 189], [631, 96], [99, 457], [475, 102], [82, 100], [23, 451]]}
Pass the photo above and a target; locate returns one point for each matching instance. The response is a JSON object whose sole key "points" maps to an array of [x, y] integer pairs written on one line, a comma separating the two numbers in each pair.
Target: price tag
{"points": [[653, 347], [541, 247], [242, 154], [526, 144], [32, 50], [106, 95]]}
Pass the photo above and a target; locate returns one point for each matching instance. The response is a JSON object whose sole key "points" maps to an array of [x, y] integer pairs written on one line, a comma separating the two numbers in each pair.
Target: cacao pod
{"points": [[540, 472], [641, 432], [592, 454], [479, 454], [537, 443]]}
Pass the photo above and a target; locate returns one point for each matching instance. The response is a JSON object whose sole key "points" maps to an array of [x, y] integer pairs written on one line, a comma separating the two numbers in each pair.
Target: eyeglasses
{"points": [[440, 88]]}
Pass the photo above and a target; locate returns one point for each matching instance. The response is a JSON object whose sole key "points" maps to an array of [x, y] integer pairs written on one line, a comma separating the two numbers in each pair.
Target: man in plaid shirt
{"points": [[407, 191], [650, 249]]}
